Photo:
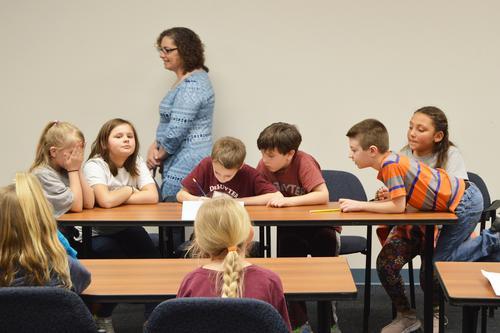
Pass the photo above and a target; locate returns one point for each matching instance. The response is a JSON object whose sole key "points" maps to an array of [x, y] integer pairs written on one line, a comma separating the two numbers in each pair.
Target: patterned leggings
{"points": [[397, 252]]}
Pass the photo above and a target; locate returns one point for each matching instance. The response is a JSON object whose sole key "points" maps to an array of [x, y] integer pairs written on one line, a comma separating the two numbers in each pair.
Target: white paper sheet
{"points": [[190, 208], [494, 279]]}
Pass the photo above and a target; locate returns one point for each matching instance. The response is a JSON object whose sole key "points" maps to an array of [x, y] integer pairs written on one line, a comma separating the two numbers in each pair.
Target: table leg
{"points": [[469, 319], [368, 279], [441, 309], [161, 242], [169, 231], [268, 241], [262, 242], [429, 270], [324, 310], [87, 241]]}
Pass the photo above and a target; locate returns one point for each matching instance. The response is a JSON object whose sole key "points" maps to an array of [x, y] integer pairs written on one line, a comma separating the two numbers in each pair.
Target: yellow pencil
{"points": [[325, 210]]}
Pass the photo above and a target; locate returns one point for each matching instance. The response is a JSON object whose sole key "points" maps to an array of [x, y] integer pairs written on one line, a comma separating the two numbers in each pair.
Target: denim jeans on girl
{"points": [[453, 242]]}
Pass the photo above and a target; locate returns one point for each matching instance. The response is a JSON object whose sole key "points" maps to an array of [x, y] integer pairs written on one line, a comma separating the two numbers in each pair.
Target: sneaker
{"points": [[403, 323], [104, 325], [306, 328], [335, 329], [435, 321]]}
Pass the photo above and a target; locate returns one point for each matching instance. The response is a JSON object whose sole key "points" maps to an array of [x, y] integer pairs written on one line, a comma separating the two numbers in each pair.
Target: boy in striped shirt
{"points": [[414, 186]]}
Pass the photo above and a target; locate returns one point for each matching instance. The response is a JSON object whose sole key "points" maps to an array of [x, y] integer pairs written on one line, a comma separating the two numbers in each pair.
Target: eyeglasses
{"points": [[165, 50]]}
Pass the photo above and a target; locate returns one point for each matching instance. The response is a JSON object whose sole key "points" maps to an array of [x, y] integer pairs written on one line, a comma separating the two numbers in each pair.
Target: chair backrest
{"points": [[43, 309], [476, 179], [215, 314], [343, 184]]}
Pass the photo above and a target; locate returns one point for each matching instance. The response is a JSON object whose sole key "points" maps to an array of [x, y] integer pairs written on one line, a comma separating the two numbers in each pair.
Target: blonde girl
{"points": [[30, 252], [223, 231], [58, 167]]}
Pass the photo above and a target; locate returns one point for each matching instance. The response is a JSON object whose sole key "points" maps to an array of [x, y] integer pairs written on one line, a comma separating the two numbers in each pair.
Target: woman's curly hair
{"points": [[188, 45]]}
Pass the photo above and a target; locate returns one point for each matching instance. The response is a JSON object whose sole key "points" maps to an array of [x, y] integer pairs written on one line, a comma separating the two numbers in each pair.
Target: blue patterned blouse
{"points": [[185, 128]]}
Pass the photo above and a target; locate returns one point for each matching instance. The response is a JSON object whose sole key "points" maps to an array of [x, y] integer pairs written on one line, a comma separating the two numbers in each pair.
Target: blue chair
{"points": [[215, 315], [342, 184], [43, 309], [490, 208]]}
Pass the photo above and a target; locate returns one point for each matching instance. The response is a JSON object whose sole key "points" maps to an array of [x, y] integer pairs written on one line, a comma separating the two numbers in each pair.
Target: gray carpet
{"points": [[128, 318]]}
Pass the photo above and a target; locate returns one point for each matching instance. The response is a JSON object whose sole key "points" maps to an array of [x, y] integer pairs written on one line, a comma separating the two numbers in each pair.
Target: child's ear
{"points": [[290, 154], [438, 136], [52, 151], [373, 149]]}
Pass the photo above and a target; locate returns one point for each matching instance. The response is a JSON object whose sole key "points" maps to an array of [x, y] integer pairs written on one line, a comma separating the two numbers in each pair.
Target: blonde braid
{"points": [[232, 268]]}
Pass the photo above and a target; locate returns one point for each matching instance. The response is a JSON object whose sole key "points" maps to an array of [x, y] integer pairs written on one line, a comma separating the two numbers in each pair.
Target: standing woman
{"points": [[184, 134]]}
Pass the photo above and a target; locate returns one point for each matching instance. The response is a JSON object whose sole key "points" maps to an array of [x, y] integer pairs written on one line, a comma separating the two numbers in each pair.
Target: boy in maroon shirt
{"points": [[225, 173], [298, 176]]}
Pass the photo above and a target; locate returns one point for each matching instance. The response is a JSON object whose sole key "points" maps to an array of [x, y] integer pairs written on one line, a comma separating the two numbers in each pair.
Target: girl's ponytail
{"points": [[231, 276]]}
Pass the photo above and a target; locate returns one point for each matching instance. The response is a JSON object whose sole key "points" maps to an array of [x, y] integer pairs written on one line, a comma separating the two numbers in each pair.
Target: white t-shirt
{"points": [[96, 171], [455, 164]]}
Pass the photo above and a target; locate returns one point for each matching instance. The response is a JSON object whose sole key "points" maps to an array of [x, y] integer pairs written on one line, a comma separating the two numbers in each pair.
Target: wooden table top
{"points": [[464, 284], [154, 280], [169, 214]]}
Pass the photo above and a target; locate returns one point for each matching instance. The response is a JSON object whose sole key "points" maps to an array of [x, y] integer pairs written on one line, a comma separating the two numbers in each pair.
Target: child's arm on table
{"points": [[396, 205], [318, 195]]}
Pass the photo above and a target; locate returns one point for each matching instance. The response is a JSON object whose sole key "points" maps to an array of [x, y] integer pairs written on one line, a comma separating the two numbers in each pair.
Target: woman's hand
{"points": [[152, 160]]}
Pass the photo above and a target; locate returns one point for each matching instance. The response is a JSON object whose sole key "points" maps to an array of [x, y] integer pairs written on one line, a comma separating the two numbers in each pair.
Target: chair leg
{"points": [[491, 312], [368, 270], [484, 317], [412, 284]]}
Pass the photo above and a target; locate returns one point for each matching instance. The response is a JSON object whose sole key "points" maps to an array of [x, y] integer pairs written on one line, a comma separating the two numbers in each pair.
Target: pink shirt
{"points": [[258, 283], [246, 183]]}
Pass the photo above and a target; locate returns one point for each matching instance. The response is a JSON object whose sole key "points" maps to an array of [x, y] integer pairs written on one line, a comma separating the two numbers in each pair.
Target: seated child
{"points": [[30, 251], [118, 175], [226, 174], [223, 232], [58, 167], [411, 182], [298, 176]]}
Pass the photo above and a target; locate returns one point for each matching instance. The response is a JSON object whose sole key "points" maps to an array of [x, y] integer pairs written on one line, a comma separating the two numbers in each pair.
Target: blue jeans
{"points": [[453, 243]]}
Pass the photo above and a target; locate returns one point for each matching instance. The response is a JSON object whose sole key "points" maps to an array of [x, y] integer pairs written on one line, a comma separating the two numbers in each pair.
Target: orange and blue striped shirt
{"points": [[425, 188]]}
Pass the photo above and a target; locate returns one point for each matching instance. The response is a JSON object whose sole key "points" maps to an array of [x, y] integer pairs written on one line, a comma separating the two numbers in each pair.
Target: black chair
{"points": [[489, 213], [215, 315], [490, 208], [342, 184], [43, 309]]}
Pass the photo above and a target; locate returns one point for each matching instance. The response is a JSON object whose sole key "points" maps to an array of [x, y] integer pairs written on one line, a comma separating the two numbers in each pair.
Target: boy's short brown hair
{"points": [[229, 152], [282, 136], [370, 132]]}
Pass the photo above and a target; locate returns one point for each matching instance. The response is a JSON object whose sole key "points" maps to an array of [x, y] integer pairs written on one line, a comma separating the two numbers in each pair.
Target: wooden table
{"points": [[464, 285], [169, 215], [155, 280]]}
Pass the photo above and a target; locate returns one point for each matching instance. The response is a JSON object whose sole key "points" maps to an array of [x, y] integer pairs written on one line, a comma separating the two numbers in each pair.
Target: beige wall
{"points": [[323, 65]]}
